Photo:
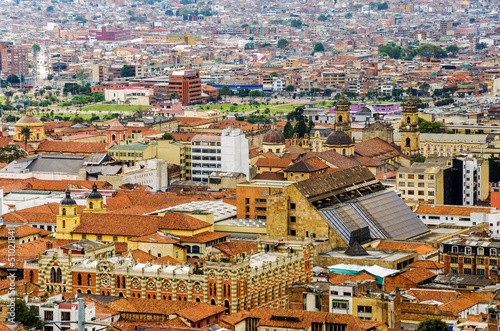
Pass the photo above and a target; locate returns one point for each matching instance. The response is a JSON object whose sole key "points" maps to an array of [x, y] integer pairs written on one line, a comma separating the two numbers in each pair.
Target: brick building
{"points": [[14, 59], [111, 35], [187, 85], [243, 282]]}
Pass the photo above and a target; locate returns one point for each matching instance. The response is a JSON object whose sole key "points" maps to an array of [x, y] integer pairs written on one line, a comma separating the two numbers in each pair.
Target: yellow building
{"points": [[36, 130], [421, 183], [133, 152], [410, 132], [160, 245], [176, 152]]}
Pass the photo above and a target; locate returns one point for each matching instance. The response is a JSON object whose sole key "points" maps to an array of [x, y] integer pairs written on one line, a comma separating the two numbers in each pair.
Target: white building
{"points": [[138, 96], [470, 167], [228, 152], [279, 85], [66, 314], [460, 215]]}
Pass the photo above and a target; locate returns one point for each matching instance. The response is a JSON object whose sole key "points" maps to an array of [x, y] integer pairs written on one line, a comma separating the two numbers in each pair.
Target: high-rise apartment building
{"points": [[228, 152], [187, 85], [14, 59]]}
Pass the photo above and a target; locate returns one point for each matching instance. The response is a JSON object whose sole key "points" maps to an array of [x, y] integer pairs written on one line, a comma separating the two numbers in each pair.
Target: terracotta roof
{"points": [[141, 256], [340, 279], [167, 259], [192, 121], [157, 237], [418, 275], [376, 148], [419, 248], [233, 248], [22, 231], [458, 305], [136, 225], [198, 313], [203, 237], [426, 264], [451, 210], [30, 250], [71, 147], [308, 165], [443, 296], [273, 163], [268, 175]]}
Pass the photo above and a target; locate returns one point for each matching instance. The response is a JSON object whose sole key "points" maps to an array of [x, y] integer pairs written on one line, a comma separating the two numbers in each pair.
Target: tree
{"points": [[249, 46], [424, 87], [273, 74], [432, 324], [452, 49], [50, 77], [254, 94], [296, 23], [77, 119], [174, 96], [13, 79], [243, 26], [480, 46], [167, 136], [430, 50], [300, 129], [36, 48], [310, 126], [282, 43], [348, 15], [290, 88], [27, 316], [50, 9], [8, 94], [288, 130], [25, 133], [140, 20], [11, 153], [79, 19], [322, 18], [225, 91], [82, 75], [126, 71], [318, 47], [327, 92], [382, 6]]}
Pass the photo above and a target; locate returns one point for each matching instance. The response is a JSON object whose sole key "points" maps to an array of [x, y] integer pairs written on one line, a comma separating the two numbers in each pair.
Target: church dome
{"points": [[29, 120], [94, 195], [68, 201], [338, 138], [273, 136], [364, 111]]}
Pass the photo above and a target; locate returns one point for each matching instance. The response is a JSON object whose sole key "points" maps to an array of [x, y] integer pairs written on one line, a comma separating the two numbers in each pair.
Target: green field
{"points": [[114, 108]]}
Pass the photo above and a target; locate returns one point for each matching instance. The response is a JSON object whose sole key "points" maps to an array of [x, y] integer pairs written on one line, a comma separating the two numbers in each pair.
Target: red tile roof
{"points": [[71, 147]]}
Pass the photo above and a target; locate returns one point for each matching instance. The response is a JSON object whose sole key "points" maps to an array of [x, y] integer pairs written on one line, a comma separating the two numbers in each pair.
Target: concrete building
{"points": [[228, 152], [138, 96], [66, 314], [14, 59]]}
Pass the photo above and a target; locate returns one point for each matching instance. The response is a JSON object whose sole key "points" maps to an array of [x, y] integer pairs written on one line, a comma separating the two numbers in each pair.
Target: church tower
{"points": [[95, 202], [68, 218], [410, 134], [343, 115]]}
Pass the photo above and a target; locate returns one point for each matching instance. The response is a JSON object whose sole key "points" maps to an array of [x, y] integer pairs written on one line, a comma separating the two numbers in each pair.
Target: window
{"points": [[84, 236], [411, 192], [99, 237], [115, 238], [454, 270], [402, 184], [467, 260], [420, 176], [411, 176], [421, 184], [293, 233], [480, 261], [401, 175], [292, 219], [454, 259], [480, 251], [365, 309], [480, 272], [467, 271], [493, 262], [411, 184], [292, 206], [48, 315], [468, 251], [493, 252]]}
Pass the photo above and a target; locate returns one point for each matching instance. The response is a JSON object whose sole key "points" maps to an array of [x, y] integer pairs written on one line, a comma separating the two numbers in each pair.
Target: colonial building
{"points": [[410, 132], [244, 282], [36, 128]]}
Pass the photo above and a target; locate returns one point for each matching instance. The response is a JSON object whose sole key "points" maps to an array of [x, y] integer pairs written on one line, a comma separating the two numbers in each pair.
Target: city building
{"points": [[104, 34], [251, 281], [228, 152], [14, 60], [410, 133], [186, 84]]}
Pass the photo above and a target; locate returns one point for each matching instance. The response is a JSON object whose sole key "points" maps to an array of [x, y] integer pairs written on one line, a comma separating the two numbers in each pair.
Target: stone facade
{"points": [[258, 280]]}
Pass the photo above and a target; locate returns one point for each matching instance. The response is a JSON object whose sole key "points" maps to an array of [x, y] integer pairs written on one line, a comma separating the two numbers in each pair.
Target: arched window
{"points": [[118, 282], [340, 118], [343, 151], [123, 282], [64, 224], [210, 288], [52, 275], [226, 304], [468, 251], [64, 211], [228, 290], [79, 279], [89, 292], [188, 249], [113, 137], [480, 251], [493, 252], [120, 294], [59, 275], [195, 249], [454, 249], [89, 280], [32, 276], [212, 302], [408, 120], [79, 291], [198, 300], [408, 142], [224, 290], [91, 205]]}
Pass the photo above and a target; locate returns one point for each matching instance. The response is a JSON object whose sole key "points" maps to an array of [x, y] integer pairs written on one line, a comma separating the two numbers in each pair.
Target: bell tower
{"points": [[410, 133], [68, 218], [95, 202], [343, 115]]}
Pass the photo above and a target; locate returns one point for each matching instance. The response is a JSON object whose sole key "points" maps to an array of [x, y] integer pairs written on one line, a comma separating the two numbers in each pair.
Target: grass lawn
{"points": [[114, 108]]}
